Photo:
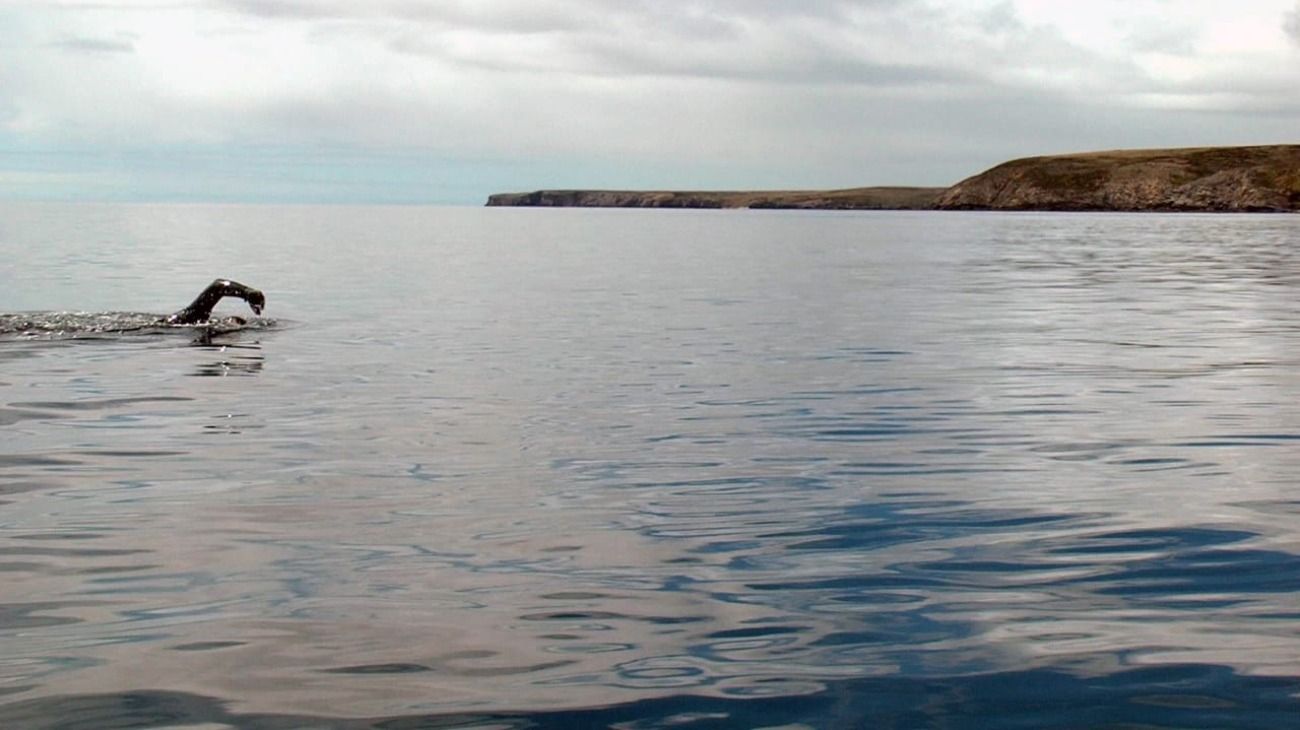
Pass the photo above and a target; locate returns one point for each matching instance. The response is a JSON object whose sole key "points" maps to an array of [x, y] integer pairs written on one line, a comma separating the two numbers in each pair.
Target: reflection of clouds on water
{"points": [[901, 588], [928, 497], [1189, 695]]}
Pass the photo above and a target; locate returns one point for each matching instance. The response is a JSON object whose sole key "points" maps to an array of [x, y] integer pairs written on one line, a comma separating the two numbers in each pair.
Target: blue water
{"points": [[508, 468]]}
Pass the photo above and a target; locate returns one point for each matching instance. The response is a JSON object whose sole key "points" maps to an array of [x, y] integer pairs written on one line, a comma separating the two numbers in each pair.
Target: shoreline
{"points": [[1252, 179], [873, 198]]}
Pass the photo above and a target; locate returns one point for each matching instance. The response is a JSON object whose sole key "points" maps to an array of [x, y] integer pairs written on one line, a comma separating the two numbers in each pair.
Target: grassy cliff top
{"points": [[1257, 178]]}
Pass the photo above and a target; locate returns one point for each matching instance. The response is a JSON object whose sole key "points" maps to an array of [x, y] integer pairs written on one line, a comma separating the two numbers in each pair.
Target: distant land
{"points": [[1215, 179], [1195, 179], [885, 198]]}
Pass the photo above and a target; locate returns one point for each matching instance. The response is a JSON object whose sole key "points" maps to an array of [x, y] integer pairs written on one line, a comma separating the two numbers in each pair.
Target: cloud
{"points": [[94, 45], [776, 40], [512, 16], [718, 92], [803, 50], [1291, 24], [1172, 37]]}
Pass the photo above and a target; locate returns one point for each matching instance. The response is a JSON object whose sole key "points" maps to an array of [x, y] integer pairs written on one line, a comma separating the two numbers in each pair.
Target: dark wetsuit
{"points": [[201, 308]]}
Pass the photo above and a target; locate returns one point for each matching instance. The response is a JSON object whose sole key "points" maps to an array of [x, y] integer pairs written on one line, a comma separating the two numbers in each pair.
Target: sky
{"points": [[446, 101]]}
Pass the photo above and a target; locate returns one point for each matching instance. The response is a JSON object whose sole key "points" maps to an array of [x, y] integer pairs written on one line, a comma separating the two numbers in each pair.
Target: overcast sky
{"points": [[445, 101]]}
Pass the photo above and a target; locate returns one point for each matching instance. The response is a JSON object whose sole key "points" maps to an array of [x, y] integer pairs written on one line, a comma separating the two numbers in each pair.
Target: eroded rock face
{"points": [[1207, 179]]}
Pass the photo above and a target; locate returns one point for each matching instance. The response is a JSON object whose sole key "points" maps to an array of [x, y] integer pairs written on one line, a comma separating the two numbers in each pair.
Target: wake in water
{"points": [[196, 317], [72, 325]]}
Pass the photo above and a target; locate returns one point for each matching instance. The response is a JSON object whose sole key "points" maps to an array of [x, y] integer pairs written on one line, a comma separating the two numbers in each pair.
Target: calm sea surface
{"points": [[510, 468]]}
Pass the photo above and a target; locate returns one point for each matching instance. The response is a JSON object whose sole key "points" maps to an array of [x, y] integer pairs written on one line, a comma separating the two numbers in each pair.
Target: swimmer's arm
{"points": [[201, 308]]}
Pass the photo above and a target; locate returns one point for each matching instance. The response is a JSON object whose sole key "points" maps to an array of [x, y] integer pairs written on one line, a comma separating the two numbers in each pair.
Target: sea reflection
{"points": [[1034, 471], [242, 359], [1179, 696]]}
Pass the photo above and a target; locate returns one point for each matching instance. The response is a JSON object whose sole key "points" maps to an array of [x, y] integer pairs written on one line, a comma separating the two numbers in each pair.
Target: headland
{"points": [[1214, 179], [1264, 178]]}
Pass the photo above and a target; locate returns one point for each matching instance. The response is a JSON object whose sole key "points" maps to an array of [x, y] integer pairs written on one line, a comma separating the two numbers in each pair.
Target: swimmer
{"points": [[200, 309], [79, 324]]}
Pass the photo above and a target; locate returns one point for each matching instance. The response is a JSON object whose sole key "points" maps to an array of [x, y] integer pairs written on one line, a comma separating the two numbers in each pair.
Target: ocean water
{"points": [[511, 468]]}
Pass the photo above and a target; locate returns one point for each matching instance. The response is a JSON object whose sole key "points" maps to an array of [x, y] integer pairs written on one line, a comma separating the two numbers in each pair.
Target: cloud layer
{"points": [[687, 93]]}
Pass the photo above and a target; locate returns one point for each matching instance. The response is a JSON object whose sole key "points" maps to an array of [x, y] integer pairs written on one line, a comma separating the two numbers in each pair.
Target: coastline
{"points": [[872, 198], [1261, 178]]}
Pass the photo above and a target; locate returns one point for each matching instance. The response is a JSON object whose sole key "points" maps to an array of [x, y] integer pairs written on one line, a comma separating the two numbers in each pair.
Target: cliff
{"points": [[879, 198], [1214, 179], [1265, 178]]}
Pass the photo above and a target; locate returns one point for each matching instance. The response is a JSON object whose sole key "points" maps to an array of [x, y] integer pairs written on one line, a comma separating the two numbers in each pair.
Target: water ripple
{"points": [[784, 471]]}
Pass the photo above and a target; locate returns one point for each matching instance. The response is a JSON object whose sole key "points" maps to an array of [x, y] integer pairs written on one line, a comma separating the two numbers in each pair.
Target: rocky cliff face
{"points": [[609, 199], [1201, 179]]}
